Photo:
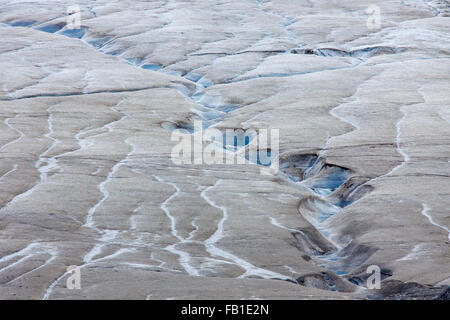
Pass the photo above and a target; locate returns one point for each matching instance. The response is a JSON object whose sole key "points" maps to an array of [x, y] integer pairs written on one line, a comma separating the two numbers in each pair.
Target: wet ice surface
{"points": [[98, 43], [331, 180], [21, 23], [74, 33], [150, 66], [357, 161], [51, 28]]}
